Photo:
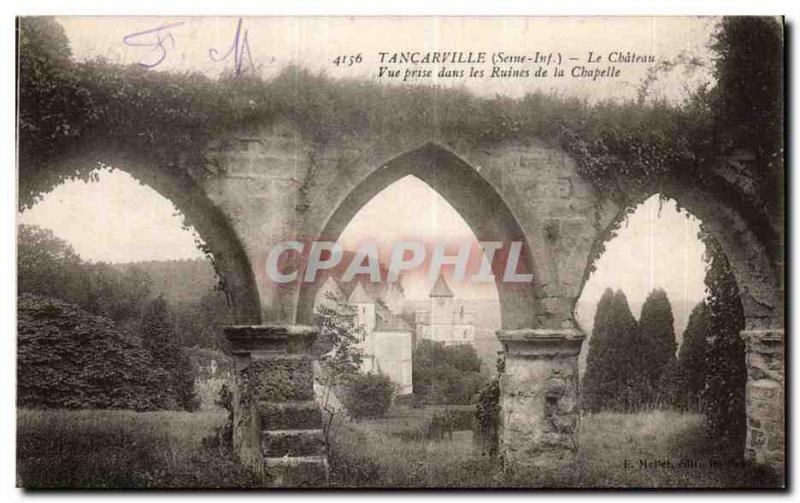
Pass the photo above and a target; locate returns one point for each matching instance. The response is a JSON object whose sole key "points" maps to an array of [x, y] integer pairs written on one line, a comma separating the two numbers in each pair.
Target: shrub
{"points": [[446, 374], [68, 358], [222, 437], [692, 356], [368, 396], [487, 413]]}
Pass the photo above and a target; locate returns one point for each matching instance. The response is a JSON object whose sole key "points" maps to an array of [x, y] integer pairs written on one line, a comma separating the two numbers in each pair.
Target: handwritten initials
{"points": [[158, 44]]}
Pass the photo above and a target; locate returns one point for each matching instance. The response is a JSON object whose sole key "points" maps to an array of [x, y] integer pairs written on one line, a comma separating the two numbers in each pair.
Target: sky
{"points": [[115, 219], [199, 44]]}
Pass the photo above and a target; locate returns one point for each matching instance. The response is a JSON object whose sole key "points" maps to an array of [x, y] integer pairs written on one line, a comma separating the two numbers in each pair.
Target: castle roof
{"points": [[392, 324], [360, 296], [375, 290], [441, 288]]}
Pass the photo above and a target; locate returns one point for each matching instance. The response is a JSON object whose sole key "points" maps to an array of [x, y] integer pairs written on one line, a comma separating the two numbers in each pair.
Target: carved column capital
{"points": [[275, 338], [541, 342]]}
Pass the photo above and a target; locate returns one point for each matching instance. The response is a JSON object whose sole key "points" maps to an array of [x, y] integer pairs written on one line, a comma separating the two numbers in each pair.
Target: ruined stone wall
{"points": [[765, 398], [276, 185], [539, 406]]}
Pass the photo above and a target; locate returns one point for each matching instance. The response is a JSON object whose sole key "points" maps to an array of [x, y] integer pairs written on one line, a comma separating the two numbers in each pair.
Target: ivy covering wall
{"points": [[66, 105]]}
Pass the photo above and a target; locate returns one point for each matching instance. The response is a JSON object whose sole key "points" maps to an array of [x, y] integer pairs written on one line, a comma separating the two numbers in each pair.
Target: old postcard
{"points": [[400, 252]]}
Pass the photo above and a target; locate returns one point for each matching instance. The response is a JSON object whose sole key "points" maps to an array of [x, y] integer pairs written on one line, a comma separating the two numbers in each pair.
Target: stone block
{"points": [[282, 378], [305, 471], [276, 443], [538, 398], [765, 397], [290, 415]]}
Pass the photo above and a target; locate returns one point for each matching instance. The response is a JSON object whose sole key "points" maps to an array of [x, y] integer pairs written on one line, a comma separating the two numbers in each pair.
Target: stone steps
{"points": [[290, 415], [293, 443], [297, 471]]}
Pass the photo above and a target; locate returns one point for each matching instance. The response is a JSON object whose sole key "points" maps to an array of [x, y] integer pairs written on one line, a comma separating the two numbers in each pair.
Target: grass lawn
{"points": [[613, 447], [123, 449]]}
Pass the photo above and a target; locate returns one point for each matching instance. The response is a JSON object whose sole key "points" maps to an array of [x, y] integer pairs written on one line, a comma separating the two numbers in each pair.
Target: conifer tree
{"points": [[159, 338], [671, 386], [625, 351], [657, 344], [599, 377], [692, 355]]}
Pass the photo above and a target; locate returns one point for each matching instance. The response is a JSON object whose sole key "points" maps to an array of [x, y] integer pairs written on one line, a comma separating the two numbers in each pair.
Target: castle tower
{"points": [[441, 303], [364, 305], [365, 308]]}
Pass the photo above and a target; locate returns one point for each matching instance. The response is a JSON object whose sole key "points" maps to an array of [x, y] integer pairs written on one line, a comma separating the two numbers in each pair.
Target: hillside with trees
{"points": [[96, 335]]}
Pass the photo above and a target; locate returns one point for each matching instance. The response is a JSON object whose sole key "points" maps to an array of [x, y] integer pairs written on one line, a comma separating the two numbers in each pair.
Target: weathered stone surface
{"points": [[275, 443], [282, 378], [304, 471], [764, 398], [270, 338], [268, 183], [539, 398], [277, 424], [290, 415]]}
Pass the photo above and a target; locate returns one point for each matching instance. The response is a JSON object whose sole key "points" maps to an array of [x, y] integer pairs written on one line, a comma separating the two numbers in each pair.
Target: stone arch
{"points": [[758, 281], [230, 259], [472, 196], [755, 256]]}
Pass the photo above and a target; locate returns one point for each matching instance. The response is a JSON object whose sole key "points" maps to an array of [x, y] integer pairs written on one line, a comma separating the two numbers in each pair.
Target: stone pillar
{"points": [[539, 411], [764, 398], [277, 425]]}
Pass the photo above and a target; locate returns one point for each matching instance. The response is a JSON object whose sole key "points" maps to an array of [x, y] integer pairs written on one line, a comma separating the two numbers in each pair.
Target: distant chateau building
{"points": [[388, 337], [446, 320], [387, 342]]}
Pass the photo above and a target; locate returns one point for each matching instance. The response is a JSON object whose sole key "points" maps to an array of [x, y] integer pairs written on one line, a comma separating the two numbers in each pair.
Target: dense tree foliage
{"points": [[446, 374], [630, 364], [657, 344], [613, 379], [69, 358], [337, 342], [626, 351], [48, 265], [487, 412], [692, 355], [598, 380], [158, 337], [368, 396], [200, 323], [748, 98], [671, 386], [724, 393]]}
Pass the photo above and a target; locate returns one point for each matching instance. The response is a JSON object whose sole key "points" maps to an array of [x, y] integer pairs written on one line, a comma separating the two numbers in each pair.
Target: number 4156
{"points": [[347, 60]]}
